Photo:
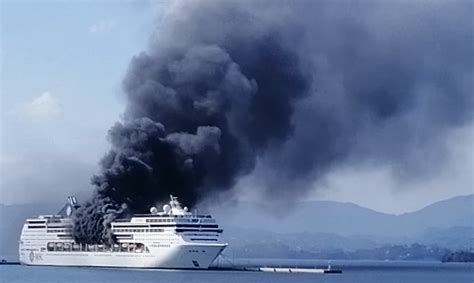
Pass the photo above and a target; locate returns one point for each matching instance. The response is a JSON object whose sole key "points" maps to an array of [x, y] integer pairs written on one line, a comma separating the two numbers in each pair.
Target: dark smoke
{"points": [[294, 88], [192, 127]]}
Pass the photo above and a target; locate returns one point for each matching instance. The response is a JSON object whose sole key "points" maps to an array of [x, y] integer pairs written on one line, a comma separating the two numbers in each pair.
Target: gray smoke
{"points": [[298, 87]]}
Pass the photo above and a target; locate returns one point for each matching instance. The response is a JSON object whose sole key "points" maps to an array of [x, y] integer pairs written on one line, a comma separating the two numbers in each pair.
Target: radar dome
{"points": [[166, 208], [185, 209], [153, 210]]}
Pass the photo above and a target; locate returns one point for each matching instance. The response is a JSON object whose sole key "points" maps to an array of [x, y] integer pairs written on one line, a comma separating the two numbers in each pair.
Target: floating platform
{"points": [[298, 270], [271, 265], [4, 262], [281, 269]]}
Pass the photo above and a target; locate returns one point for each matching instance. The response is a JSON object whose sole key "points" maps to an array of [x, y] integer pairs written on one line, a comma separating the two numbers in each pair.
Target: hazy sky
{"points": [[61, 68], [62, 64]]}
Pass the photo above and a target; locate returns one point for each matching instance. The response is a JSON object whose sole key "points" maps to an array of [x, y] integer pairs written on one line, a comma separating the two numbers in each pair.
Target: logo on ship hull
{"points": [[35, 257]]}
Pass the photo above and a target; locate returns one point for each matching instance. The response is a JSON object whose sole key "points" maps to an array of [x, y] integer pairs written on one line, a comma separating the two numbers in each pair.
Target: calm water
{"points": [[364, 272]]}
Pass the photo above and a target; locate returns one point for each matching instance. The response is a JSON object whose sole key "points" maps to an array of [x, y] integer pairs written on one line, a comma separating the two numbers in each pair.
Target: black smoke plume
{"points": [[193, 125], [294, 88]]}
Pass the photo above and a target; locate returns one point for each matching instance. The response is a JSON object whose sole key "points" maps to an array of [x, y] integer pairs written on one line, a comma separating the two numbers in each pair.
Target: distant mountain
{"points": [[257, 244], [457, 211], [344, 230], [457, 237], [349, 219]]}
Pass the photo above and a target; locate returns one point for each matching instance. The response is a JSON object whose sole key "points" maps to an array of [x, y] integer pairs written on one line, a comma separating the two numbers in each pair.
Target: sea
{"points": [[352, 271]]}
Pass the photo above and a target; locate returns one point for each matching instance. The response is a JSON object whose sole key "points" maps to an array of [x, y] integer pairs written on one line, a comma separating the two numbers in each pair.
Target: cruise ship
{"points": [[172, 238]]}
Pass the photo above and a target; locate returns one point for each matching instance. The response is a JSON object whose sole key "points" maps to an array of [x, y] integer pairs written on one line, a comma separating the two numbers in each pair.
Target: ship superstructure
{"points": [[172, 238]]}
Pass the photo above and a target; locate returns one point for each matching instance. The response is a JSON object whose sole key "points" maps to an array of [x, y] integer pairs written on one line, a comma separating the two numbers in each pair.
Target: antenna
{"points": [[72, 200], [173, 198]]}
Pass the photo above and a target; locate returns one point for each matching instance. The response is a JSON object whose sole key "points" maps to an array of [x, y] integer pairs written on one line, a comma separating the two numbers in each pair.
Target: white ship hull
{"points": [[173, 238], [179, 256]]}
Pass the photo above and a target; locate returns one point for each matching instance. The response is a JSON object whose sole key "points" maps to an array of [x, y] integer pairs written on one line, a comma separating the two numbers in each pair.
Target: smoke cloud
{"points": [[284, 91]]}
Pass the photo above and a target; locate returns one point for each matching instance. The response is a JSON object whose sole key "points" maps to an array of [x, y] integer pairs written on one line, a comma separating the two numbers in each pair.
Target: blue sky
{"points": [[62, 65]]}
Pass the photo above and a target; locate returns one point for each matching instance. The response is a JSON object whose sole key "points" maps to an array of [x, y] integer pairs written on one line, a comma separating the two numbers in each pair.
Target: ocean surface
{"points": [[353, 271]]}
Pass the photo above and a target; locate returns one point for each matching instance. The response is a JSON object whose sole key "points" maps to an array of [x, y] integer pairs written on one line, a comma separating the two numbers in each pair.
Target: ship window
{"points": [[124, 247], [36, 221], [208, 240], [36, 227], [67, 247], [59, 247]]}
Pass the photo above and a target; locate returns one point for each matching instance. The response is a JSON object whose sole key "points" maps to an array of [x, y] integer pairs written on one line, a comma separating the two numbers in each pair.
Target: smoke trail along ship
{"points": [[173, 238]]}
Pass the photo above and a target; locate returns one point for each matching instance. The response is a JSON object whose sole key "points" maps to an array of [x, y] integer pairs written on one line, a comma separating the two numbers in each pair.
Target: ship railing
{"points": [[173, 216]]}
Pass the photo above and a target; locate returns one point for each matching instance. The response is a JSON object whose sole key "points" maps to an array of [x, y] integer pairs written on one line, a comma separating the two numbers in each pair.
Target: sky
{"points": [[62, 64]]}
